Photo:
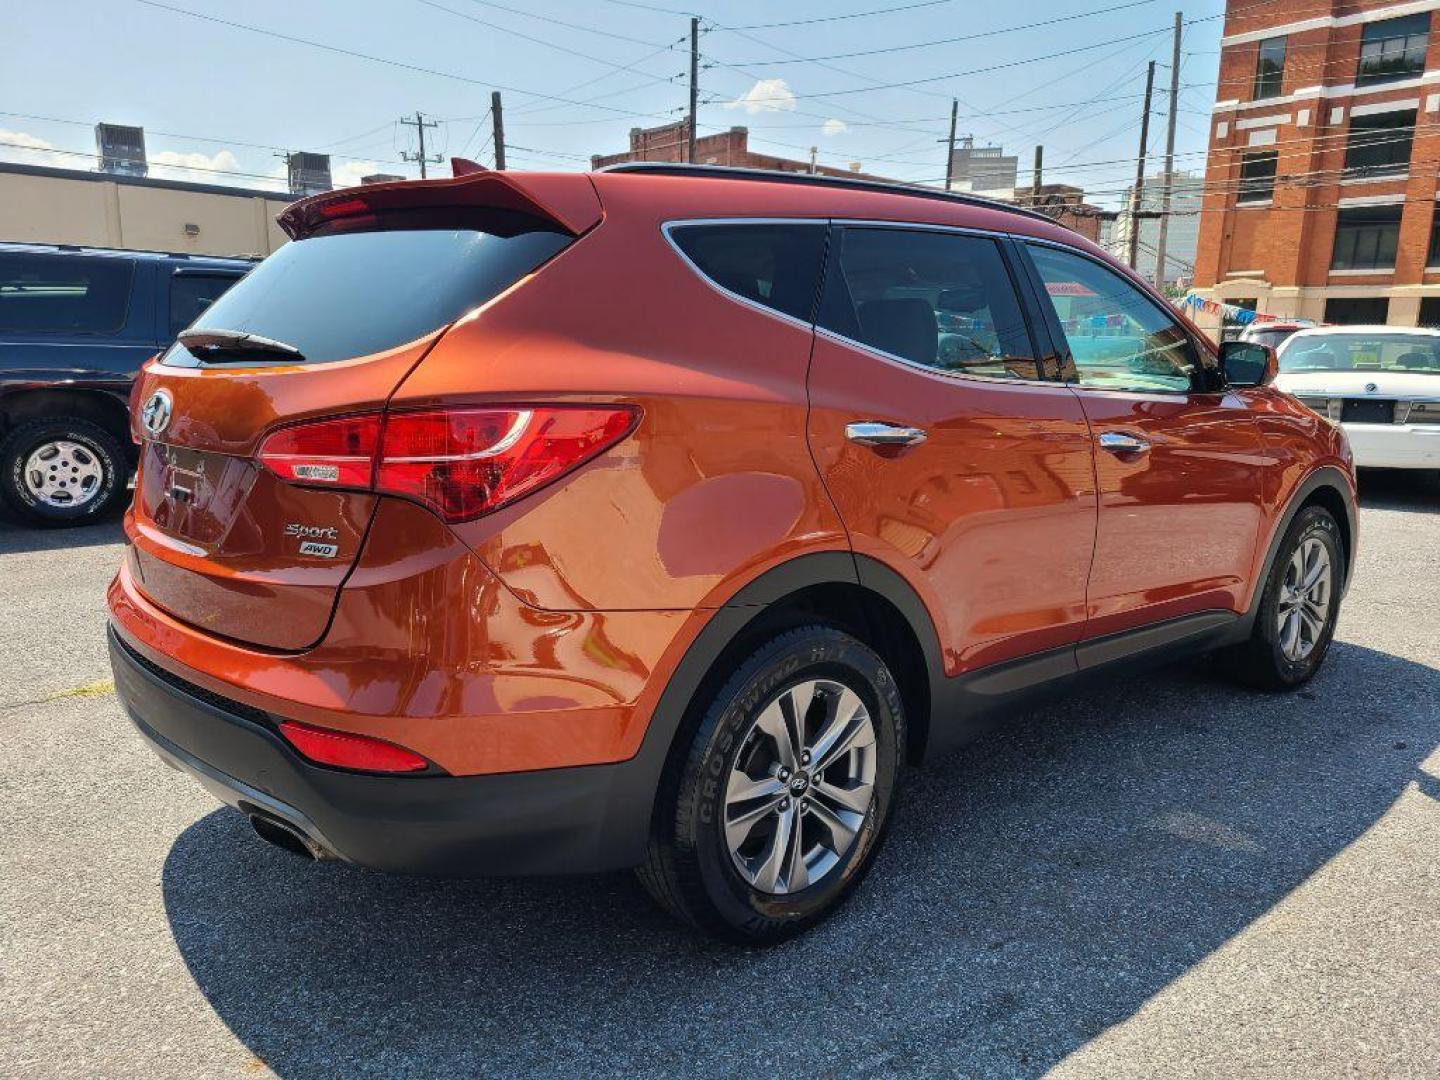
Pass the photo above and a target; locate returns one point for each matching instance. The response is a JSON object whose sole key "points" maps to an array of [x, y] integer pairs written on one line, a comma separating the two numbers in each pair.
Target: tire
{"points": [[746, 895], [91, 458], [1267, 660]]}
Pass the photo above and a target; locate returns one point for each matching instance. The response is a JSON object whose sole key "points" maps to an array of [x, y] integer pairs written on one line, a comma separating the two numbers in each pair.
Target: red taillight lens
{"points": [[466, 462], [331, 453], [346, 751]]}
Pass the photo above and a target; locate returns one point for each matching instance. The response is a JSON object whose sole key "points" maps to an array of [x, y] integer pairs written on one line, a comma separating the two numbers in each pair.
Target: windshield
{"points": [[334, 297], [1362, 352]]}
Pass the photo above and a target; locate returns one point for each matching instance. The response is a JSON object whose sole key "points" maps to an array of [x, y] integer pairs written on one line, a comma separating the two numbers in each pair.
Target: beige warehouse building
{"points": [[42, 205]]}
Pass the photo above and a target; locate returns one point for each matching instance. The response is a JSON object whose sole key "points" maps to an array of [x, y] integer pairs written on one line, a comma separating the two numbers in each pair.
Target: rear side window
{"points": [[351, 294], [191, 293], [941, 300], [71, 294], [777, 265]]}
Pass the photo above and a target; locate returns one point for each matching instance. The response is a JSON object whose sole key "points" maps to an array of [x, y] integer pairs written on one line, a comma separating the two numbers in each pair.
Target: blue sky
{"points": [[218, 102]]}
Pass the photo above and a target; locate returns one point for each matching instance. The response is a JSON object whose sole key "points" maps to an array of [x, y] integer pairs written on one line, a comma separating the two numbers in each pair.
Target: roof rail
{"points": [[733, 172]]}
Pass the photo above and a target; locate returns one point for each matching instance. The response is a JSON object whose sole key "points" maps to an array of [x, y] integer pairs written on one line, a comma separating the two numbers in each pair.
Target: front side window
{"points": [[1366, 238], [1257, 177], [1379, 144], [941, 300], [192, 293], [1269, 69], [777, 266], [1119, 338], [1393, 49], [64, 294]]}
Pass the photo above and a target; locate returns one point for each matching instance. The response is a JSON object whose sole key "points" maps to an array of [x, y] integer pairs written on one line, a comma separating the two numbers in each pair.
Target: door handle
{"points": [[1120, 442], [878, 433]]}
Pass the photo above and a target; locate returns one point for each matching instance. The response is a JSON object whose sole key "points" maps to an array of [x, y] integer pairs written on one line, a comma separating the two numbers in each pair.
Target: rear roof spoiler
{"points": [[567, 200]]}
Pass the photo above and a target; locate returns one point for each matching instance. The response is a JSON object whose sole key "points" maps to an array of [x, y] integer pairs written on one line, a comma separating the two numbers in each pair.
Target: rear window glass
{"points": [[72, 294], [351, 294], [191, 294], [774, 265]]}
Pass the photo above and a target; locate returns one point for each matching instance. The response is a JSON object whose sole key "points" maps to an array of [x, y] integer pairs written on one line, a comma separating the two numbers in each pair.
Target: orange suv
{"points": [[659, 517]]}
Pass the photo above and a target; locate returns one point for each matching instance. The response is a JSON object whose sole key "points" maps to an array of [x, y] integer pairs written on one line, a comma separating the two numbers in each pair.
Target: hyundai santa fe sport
{"points": [[659, 517]]}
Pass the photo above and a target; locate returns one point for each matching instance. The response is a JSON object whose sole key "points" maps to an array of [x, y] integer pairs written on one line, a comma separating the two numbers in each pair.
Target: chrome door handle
{"points": [[1118, 442], [878, 433]]}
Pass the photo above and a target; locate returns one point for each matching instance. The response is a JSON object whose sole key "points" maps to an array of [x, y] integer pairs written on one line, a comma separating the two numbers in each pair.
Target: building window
{"points": [[1366, 237], [1393, 49], [1433, 259], [1269, 69], [1357, 310], [1257, 177], [1429, 312], [1379, 144]]}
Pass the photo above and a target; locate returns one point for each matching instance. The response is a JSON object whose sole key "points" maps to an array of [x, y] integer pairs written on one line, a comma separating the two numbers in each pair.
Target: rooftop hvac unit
{"points": [[309, 173], [381, 178], [122, 149]]}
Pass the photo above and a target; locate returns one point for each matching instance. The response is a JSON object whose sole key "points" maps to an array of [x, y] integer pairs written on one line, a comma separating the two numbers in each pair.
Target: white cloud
{"points": [[834, 127], [196, 167], [348, 173], [29, 149], [767, 95]]}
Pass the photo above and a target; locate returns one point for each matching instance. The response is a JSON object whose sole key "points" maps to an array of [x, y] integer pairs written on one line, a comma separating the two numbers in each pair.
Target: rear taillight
{"points": [[347, 751], [460, 462], [336, 453]]}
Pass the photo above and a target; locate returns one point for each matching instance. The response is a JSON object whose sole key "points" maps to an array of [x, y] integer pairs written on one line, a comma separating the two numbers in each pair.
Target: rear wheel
{"points": [[62, 471], [1296, 621], [777, 809]]}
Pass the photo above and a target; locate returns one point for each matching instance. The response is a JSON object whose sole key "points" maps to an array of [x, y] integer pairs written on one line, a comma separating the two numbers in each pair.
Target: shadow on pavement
{"points": [[1038, 889], [16, 538], [1399, 489]]}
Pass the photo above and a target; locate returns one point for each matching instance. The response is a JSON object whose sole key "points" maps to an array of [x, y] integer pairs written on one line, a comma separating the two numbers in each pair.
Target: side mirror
{"points": [[1248, 363]]}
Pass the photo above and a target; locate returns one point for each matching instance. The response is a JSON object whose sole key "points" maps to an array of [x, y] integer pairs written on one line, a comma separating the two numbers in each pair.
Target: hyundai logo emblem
{"points": [[1370, 388], [156, 413]]}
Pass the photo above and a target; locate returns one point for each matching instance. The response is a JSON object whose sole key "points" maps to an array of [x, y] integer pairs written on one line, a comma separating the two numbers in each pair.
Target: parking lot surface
{"points": [[1161, 875]]}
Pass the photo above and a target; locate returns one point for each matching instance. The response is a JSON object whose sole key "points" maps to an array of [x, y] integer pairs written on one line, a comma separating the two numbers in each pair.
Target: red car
{"points": [[660, 517]]}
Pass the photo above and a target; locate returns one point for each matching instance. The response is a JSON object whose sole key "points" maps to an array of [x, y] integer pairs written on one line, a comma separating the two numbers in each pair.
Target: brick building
{"points": [[668, 143], [1325, 148]]}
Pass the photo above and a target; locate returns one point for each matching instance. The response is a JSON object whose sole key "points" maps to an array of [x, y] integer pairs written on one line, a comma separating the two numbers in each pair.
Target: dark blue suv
{"points": [[75, 326]]}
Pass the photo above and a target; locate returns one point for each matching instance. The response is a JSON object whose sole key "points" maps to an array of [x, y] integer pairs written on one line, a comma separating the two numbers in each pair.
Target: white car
{"points": [[1381, 383]]}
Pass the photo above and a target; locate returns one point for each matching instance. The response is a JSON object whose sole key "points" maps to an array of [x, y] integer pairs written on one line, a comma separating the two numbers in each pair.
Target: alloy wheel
{"points": [[63, 473], [1304, 607], [801, 786]]}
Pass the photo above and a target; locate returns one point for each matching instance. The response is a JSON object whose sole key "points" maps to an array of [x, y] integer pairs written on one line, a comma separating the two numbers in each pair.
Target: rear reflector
{"points": [[346, 751], [460, 462]]}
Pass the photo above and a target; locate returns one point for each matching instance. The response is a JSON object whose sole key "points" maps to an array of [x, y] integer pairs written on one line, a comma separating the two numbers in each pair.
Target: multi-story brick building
{"points": [[669, 143], [1322, 172]]}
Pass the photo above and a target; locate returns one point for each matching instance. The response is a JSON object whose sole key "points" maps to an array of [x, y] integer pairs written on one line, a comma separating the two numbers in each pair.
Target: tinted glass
{"points": [[1414, 353], [1366, 238], [1269, 68], [1357, 310], [71, 294], [191, 294], [1379, 144], [352, 294], [1120, 339], [774, 265], [1257, 176], [1393, 48], [943, 300]]}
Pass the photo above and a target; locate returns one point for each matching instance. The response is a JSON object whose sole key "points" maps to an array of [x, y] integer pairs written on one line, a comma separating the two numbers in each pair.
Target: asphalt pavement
{"points": [[1162, 875]]}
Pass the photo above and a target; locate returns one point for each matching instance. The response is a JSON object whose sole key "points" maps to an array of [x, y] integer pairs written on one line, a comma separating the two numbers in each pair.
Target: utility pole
{"points": [[1169, 158], [420, 124], [1139, 188], [1035, 178], [497, 117], [694, 86], [813, 151], [950, 150]]}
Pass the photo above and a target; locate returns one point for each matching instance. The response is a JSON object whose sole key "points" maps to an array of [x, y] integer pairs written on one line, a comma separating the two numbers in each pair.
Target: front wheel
{"points": [[1296, 620], [777, 809]]}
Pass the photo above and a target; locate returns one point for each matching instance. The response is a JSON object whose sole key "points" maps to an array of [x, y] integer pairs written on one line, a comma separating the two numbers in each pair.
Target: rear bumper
{"points": [[1395, 446], [570, 820]]}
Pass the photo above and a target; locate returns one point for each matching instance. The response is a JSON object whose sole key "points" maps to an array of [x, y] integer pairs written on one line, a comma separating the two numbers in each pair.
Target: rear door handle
{"points": [[879, 433], [1120, 442]]}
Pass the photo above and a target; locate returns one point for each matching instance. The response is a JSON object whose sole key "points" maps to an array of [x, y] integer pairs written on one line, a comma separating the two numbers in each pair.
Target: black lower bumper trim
{"points": [[575, 820]]}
